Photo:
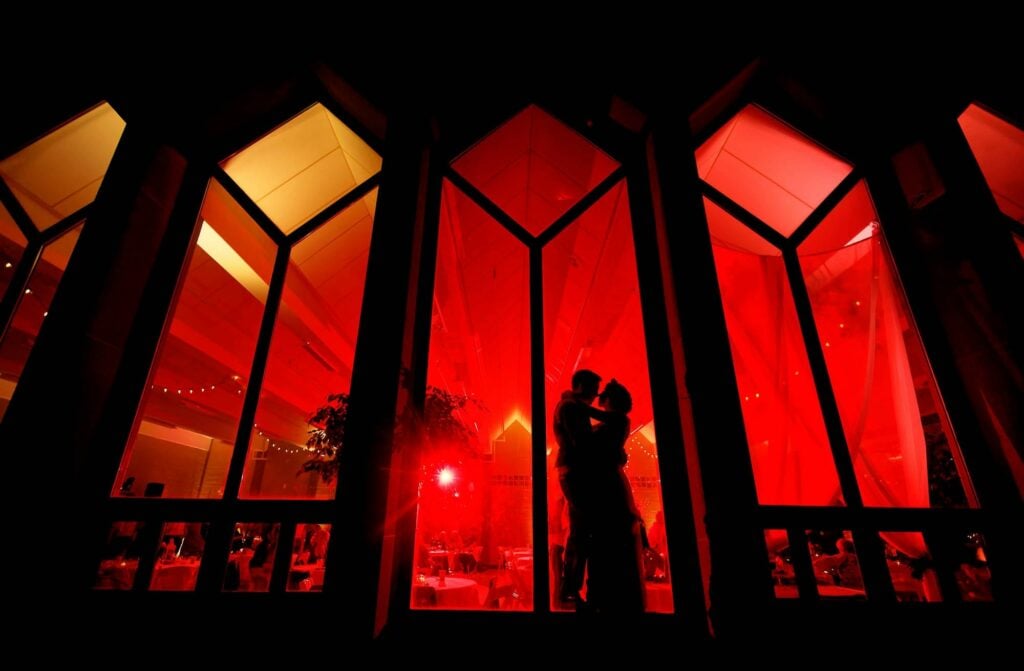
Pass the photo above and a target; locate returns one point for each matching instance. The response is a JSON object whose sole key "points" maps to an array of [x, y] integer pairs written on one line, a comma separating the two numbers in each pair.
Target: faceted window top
{"points": [[60, 173], [999, 148], [534, 168], [774, 172], [302, 166]]}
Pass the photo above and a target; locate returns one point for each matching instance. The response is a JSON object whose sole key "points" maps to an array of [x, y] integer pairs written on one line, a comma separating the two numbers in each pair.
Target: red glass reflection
{"points": [[534, 168], [474, 546], [33, 306], [903, 448], [785, 431], [188, 418], [770, 169], [592, 320], [999, 148]]}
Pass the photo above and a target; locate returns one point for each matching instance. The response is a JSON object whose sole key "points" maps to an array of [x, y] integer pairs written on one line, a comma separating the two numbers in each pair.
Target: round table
{"points": [[455, 592]]}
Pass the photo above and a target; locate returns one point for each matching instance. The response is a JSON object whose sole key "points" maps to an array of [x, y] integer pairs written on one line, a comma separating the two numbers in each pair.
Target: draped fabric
{"points": [[893, 419]]}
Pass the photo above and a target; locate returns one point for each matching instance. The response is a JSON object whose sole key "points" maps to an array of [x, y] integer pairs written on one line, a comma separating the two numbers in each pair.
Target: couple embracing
{"points": [[604, 526]]}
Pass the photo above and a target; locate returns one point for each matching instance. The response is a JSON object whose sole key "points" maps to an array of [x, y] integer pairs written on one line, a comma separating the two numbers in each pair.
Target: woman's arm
{"points": [[599, 414]]}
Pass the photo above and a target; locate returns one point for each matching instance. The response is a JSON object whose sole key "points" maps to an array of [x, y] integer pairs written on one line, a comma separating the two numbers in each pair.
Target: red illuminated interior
{"points": [[896, 426], [33, 307], [474, 545], [474, 507], [188, 419], [311, 353], [593, 320], [12, 246], [178, 556], [999, 148], [785, 430], [770, 169], [308, 558], [534, 168], [903, 448]]}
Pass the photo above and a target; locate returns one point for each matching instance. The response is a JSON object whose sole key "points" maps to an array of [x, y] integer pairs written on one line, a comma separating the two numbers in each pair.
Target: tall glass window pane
{"points": [[181, 444], [12, 246], [311, 354], [903, 448], [474, 497], [33, 307], [785, 431], [61, 173], [592, 320], [999, 148]]}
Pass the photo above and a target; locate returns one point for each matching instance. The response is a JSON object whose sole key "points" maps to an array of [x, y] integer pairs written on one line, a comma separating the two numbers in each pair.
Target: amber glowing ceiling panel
{"points": [[999, 148], [534, 168], [774, 172], [60, 173], [302, 166]]}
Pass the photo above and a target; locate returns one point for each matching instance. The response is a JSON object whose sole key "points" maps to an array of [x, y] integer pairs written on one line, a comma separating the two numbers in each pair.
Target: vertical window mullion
{"points": [[259, 367], [822, 382]]}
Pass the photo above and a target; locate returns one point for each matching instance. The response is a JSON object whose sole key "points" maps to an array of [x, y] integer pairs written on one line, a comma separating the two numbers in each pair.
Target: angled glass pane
{"points": [[785, 431], [311, 353], [999, 148], [904, 451], [61, 173], [185, 429], [474, 540], [593, 321], [12, 246], [33, 306], [770, 169], [302, 166], [534, 168]]}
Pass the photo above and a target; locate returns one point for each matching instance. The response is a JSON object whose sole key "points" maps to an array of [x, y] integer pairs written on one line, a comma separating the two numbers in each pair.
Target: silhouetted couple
{"points": [[604, 539]]}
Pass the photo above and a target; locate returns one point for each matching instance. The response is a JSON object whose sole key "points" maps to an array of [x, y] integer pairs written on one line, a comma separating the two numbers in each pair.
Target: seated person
{"points": [[840, 569]]}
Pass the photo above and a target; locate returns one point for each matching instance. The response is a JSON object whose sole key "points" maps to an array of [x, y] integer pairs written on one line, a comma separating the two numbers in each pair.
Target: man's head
{"points": [[585, 384]]}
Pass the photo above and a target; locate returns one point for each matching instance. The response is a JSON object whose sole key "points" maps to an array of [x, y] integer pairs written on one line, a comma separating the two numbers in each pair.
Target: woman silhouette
{"points": [[615, 583]]}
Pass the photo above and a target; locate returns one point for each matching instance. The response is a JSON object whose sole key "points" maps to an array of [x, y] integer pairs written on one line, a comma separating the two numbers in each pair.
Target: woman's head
{"points": [[616, 397]]}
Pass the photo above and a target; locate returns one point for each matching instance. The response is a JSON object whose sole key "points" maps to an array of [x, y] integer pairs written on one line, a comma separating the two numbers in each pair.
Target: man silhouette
{"points": [[573, 433]]}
